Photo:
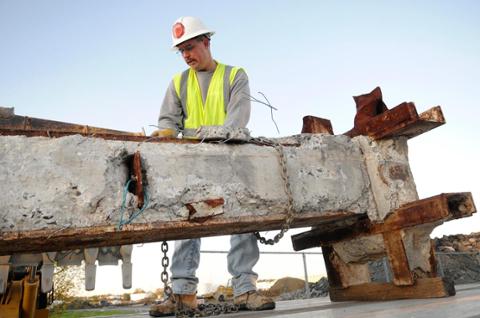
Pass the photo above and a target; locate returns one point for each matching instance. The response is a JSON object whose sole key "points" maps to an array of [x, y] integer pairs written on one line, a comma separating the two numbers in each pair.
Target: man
{"points": [[207, 94]]}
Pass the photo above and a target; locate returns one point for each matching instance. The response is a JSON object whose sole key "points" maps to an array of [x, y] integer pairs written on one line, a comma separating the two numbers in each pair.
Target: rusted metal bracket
{"points": [[439, 208], [432, 210], [351, 281], [317, 125], [374, 119]]}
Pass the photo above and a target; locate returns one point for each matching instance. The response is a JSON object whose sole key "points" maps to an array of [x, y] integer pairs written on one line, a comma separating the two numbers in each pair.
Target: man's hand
{"points": [[164, 133]]}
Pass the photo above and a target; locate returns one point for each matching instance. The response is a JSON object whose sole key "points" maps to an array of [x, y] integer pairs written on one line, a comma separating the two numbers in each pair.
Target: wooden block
{"points": [[423, 288]]}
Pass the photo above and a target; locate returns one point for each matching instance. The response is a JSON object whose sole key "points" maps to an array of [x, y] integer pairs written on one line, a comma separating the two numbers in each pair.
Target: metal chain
{"points": [[167, 290], [183, 312], [286, 184], [207, 310]]}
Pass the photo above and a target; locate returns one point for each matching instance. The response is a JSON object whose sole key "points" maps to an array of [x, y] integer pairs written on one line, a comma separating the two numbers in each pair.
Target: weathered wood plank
{"points": [[423, 288]]}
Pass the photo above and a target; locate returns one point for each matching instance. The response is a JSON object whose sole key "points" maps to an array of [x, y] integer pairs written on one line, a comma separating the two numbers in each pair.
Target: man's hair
{"points": [[200, 37]]}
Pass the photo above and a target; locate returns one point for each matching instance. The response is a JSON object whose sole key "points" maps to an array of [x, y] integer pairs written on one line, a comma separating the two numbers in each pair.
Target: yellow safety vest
{"points": [[213, 113]]}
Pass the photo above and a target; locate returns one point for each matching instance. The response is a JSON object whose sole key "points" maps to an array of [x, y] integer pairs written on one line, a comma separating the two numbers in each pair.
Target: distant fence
{"points": [[304, 258]]}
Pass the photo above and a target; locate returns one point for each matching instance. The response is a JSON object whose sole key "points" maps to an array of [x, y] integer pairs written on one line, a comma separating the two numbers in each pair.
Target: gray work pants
{"points": [[241, 258]]}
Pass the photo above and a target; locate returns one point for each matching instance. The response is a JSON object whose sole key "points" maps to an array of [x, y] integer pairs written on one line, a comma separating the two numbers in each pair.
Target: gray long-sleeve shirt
{"points": [[172, 114]]}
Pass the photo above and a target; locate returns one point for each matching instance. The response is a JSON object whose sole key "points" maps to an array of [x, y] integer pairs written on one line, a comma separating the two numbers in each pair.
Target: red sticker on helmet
{"points": [[178, 30]]}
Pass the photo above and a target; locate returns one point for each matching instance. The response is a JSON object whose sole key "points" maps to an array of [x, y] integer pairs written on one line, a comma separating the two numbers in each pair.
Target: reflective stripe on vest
{"points": [[213, 113]]}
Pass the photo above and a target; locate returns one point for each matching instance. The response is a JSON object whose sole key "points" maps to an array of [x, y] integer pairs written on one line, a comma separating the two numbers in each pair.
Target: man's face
{"points": [[196, 53]]}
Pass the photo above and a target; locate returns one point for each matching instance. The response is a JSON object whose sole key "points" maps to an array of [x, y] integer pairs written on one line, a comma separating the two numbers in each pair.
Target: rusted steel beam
{"points": [[442, 207], [433, 261], [15, 122], [403, 120], [398, 258], [334, 278], [426, 121], [59, 134], [316, 125], [374, 119], [324, 236], [98, 236], [138, 178], [423, 288]]}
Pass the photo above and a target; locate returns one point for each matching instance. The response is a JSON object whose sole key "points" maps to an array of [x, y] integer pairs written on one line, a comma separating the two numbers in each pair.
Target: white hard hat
{"points": [[186, 28]]}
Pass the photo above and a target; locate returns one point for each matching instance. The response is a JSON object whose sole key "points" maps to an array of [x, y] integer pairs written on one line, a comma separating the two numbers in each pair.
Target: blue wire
{"points": [[123, 207]]}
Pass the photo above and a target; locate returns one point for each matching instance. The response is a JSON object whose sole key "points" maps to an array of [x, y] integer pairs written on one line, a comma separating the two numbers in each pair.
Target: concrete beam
{"points": [[67, 193]]}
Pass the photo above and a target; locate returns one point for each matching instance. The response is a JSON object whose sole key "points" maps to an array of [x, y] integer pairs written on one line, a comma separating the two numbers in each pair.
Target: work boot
{"points": [[252, 300], [167, 307]]}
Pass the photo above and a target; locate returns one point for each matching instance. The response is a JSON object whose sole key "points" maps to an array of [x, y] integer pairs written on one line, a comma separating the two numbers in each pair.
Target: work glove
{"points": [[164, 133]]}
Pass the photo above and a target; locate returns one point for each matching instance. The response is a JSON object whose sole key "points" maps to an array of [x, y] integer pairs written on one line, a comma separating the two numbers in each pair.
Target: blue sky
{"points": [[108, 63]]}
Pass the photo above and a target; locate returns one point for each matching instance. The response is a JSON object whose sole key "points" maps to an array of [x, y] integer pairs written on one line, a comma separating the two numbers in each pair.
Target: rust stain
{"points": [[137, 172], [201, 211], [398, 172], [215, 202], [190, 209], [380, 170]]}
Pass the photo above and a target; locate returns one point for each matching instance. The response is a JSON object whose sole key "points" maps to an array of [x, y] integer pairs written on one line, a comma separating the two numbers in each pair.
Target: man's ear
{"points": [[206, 42]]}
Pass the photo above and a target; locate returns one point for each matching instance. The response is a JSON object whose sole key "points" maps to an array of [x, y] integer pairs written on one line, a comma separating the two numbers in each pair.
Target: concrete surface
{"points": [[466, 304]]}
